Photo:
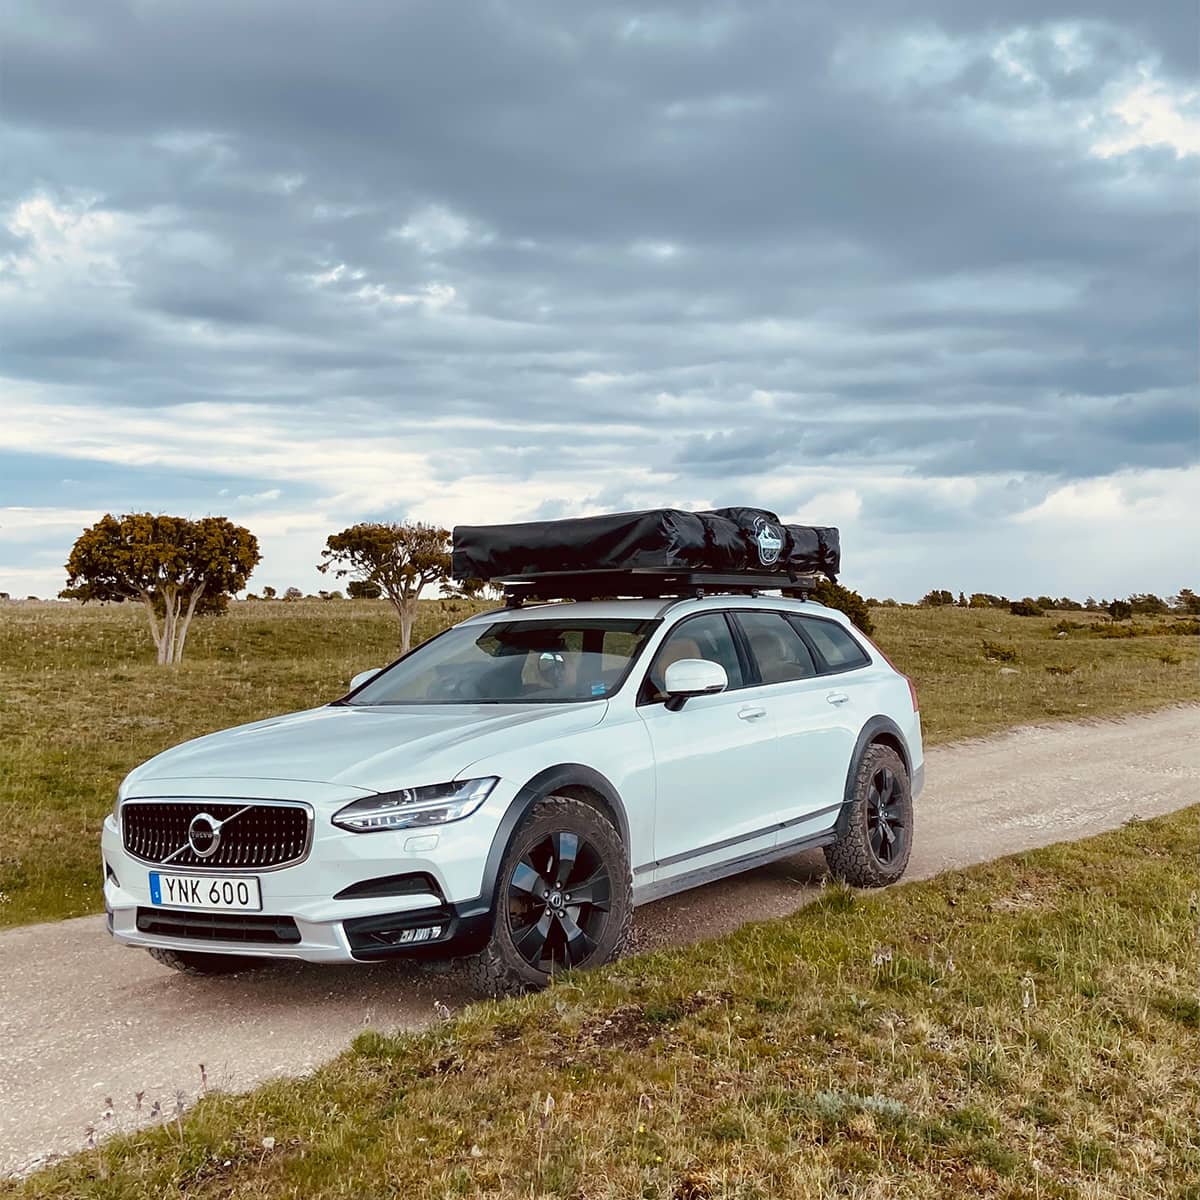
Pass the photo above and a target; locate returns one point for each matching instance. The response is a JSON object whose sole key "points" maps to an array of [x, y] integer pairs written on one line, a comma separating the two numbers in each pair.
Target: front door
{"points": [[715, 759]]}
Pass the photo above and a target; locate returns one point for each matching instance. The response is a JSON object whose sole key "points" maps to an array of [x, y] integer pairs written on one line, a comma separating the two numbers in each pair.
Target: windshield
{"points": [[514, 662]]}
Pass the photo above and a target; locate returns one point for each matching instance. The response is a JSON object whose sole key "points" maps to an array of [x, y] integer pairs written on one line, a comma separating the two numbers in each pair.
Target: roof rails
{"points": [[647, 583]]}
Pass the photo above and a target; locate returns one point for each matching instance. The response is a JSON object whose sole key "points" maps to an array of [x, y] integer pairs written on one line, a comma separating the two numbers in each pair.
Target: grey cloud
{"points": [[703, 205]]}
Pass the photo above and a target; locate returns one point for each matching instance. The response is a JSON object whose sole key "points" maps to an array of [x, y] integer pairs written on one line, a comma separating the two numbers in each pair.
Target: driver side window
{"points": [[707, 637]]}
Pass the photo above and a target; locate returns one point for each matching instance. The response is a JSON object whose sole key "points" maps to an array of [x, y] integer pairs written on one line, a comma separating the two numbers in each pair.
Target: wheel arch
{"points": [[575, 780], [879, 730]]}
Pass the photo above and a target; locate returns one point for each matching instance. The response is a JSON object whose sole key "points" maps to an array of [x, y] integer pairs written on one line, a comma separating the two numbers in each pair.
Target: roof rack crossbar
{"points": [[647, 583]]}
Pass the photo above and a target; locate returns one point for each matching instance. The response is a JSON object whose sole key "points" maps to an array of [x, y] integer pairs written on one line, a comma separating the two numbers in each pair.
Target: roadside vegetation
{"points": [[1023, 1028], [82, 701]]}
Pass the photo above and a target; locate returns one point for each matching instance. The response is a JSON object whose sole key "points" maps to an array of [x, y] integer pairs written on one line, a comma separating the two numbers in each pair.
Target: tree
{"points": [[1026, 608], [844, 600], [268, 593], [937, 598], [476, 589], [402, 558], [1120, 610], [363, 589], [1186, 602], [1148, 604], [175, 567], [293, 593], [962, 600]]}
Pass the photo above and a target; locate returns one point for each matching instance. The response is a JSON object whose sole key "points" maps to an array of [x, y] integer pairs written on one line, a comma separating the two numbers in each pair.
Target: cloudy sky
{"points": [[927, 271]]}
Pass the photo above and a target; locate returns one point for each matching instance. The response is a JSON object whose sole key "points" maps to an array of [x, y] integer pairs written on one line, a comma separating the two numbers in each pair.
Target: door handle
{"points": [[752, 713], [837, 697]]}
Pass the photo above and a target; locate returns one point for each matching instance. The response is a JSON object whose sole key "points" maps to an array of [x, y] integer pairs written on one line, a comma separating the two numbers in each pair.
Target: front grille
{"points": [[219, 927], [264, 835]]}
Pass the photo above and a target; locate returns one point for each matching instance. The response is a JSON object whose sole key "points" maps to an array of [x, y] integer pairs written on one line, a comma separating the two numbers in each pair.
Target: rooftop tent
{"points": [[728, 540]]}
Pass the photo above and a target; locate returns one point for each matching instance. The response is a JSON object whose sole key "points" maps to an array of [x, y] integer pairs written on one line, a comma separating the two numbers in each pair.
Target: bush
{"points": [[844, 600], [937, 598], [995, 652], [1025, 608]]}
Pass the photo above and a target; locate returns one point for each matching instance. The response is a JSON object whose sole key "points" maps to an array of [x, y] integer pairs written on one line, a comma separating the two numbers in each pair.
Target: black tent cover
{"points": [[725, 539]]}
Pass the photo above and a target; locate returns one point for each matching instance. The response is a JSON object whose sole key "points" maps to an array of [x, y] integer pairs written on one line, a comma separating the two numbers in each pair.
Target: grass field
{"points": [[1026, 1028], [82, 702]]}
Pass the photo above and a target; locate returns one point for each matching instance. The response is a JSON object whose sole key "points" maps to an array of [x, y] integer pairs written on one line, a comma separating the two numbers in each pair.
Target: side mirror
{"points": [[692, 677], [363, 676]]}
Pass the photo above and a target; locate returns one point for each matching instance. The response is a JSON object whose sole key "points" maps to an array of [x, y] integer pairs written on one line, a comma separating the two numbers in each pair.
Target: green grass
{"points": [[81, 701], [1027, 1028]]}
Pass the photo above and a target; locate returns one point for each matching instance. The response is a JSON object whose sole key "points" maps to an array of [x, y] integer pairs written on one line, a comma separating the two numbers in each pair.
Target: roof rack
{"points": [[647, 583]]}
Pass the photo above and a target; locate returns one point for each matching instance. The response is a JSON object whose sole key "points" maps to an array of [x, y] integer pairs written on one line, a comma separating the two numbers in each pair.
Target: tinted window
{"points": [[706, 637], [778, 649], [834, 644]]}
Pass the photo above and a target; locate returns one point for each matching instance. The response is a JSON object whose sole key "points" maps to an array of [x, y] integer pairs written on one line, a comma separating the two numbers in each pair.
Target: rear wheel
{"points": [[565, 899], [196, 962], [873, 848]]}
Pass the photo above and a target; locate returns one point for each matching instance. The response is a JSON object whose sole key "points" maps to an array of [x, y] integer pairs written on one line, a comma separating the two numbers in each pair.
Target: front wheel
{"points": [[564, 899], [872, 848]]}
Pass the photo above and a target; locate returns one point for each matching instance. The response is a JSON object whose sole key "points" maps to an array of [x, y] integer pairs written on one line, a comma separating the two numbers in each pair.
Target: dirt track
{"points": [[83, 1020]]}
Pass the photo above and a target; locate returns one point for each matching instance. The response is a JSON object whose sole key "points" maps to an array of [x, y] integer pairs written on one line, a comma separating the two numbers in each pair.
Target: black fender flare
{"points": [[868, 734], [544, 783]]}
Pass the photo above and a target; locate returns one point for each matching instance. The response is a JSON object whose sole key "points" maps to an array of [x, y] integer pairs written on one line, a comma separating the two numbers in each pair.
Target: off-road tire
{"points": [[198, 962], [499, 969], [852, 858]]}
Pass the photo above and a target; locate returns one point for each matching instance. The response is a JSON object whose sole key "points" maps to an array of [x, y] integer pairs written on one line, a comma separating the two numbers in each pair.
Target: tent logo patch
{"points": [[769, 541]]}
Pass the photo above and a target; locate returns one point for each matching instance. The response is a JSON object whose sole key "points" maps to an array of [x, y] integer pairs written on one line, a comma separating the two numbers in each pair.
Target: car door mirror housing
{"points": [[363, 676], [692, 677]]}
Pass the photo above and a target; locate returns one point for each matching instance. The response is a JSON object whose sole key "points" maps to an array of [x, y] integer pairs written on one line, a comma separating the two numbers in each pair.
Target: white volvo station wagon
{"points": [[511, 789]]}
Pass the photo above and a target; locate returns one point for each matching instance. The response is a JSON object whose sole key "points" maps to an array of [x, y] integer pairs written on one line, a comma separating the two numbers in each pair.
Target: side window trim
{"points": [[797, 620], [751, 676]]}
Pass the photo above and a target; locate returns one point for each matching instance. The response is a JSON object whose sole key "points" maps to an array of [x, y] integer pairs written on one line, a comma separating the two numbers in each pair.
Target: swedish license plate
{"points": [[207, 892]]}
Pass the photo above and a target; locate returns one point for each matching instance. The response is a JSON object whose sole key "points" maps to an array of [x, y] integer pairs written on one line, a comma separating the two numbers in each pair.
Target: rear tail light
{"points": [[912, 687]]}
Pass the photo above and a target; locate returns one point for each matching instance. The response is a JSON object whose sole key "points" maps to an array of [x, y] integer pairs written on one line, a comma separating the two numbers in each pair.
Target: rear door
{"points": [[715, 760], [817, 719]]}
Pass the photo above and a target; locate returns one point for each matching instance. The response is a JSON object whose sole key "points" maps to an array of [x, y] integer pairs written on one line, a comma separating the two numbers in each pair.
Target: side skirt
{"points": [[660, 889]]}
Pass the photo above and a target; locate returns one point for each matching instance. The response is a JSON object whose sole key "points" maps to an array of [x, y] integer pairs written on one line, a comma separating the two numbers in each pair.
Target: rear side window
{"points": [[778, 650], [839, 650]]}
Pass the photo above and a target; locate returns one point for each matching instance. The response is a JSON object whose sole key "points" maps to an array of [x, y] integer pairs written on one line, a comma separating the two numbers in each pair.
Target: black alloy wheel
{"points": [[559, 896], [874, 832], [886, 826], [564, 898]]}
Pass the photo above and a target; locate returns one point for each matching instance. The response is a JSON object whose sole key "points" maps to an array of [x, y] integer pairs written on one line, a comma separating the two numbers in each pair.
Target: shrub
{"points": [[1025, 608], [995, 652], [937, 598], [844, 600]]}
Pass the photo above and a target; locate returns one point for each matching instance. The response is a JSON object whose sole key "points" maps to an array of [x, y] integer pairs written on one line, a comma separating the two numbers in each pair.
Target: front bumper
{"points": [[301, 918]]}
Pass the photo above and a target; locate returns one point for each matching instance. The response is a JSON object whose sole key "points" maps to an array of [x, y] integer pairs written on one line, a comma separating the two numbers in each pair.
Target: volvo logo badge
{"points": [[204, 835]]}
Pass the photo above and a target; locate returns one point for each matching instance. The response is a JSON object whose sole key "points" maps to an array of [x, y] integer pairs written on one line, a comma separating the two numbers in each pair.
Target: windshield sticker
{"points": [[598, 689]]}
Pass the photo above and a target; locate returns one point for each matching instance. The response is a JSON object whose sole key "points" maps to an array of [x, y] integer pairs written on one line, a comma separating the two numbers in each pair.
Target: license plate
{"points": [[211, 892]]}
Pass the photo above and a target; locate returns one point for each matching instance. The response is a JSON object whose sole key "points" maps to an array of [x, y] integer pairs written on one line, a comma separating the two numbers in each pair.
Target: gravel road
{"points": [[85, 1023]]}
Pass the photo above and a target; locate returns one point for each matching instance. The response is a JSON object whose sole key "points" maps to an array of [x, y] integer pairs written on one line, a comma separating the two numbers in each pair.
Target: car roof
{"points": [[644, 610]]}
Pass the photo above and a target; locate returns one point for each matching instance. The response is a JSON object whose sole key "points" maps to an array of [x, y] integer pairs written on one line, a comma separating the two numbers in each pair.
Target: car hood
{"points": [[375, 748]]}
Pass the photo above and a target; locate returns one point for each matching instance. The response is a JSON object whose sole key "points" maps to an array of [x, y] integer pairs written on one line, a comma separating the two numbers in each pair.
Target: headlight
{"points": [[413, 807]]}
